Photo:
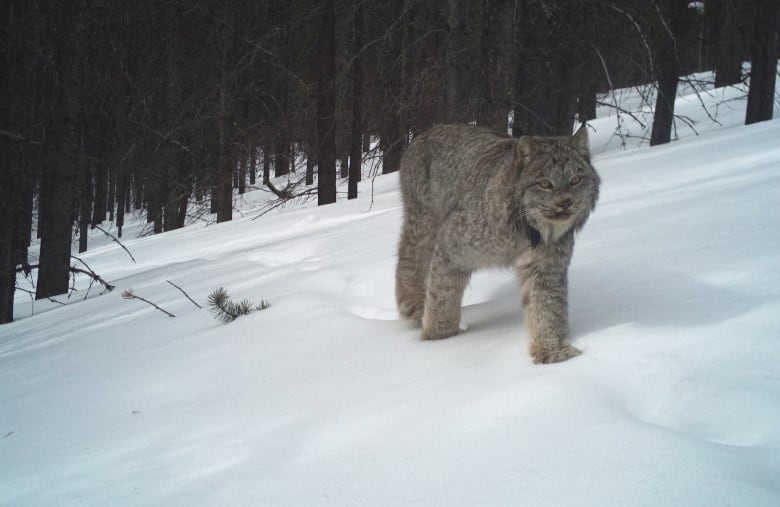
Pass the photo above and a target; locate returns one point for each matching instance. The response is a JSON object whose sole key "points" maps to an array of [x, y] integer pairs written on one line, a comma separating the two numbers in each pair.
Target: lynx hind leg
{"points": [[446, 284], [414, 259]]}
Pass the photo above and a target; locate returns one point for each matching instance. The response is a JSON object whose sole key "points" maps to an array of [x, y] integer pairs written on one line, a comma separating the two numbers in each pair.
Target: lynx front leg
{"points": [[546, 310], [445, 285], [414, 258]]}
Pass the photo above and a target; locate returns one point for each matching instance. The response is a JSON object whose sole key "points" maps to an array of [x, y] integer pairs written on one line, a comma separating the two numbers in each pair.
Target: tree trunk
{"points": [[121, 199], [266, 164], [457, 58], [282, 158], [85, 199], [7, 260], [545, 94], [252, 164], [763, 62], [61, 168], [242, 163], [667, 64], [176, 157], [726, 18], [326, 107], [590, 68], [101, 189], [356, 142], [495, 62], [12, 208], [224, 187], [392, 138], [311, 155]]}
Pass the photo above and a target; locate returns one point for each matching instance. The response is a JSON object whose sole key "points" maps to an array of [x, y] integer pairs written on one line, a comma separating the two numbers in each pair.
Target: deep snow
{"points": [[327, 399]]}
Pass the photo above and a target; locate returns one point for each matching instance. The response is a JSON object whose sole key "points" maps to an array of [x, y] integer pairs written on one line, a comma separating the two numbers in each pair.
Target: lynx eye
{"points": [[575, 180], [545, 184]]}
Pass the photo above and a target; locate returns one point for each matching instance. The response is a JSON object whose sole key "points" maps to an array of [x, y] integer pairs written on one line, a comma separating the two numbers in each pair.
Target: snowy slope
{"points": [[327, 399]]}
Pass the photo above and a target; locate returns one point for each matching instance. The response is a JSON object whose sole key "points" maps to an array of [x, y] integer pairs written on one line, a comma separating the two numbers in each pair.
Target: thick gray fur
{"points": [[475, 199]]}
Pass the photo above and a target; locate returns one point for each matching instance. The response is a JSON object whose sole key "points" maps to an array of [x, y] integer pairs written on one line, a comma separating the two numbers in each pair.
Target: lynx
{"points": [[475, 199]]}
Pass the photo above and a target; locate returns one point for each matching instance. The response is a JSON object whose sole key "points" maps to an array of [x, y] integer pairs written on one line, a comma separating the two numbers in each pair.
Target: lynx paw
{"points": [[410, 310], [440, 332], [547, 356]]}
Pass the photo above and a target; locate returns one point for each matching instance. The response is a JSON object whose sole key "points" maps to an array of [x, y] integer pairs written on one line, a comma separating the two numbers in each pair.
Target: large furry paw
{"points": [[547, 356], [439, 332], [411, 310]]}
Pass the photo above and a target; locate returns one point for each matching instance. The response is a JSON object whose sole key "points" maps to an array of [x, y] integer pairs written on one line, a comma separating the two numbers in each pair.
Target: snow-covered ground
{"points": [[326, 398]]}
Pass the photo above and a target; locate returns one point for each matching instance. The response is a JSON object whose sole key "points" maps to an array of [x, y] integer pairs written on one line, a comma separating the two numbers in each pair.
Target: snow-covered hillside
{"points": [[326, 398]]}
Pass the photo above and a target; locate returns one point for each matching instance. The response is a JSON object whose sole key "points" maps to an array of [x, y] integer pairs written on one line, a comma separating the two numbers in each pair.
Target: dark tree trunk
{"points": [[16, 195], [326, 106], [590, 68], [252, 164], [121, 200], [356, 142], [14, 224], [7, 258], [7, 261], [667, 64], [457, 58], [763, 62], [85, 206], [545, 95], [224, 187], [101, 189], [111, 195], [177, 154], [727, 24], [242, 163], [392, 137], [61, 168], [495, 62], [663, 117], [266, 164], [282, 157], [311, 156]]}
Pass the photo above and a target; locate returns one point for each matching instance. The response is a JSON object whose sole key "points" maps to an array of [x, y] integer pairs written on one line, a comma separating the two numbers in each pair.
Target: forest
{"points": [[164, 106]]}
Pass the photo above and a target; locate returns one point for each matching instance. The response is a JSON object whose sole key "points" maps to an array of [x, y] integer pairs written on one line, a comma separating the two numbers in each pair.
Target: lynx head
{"points": [[557, 186]]}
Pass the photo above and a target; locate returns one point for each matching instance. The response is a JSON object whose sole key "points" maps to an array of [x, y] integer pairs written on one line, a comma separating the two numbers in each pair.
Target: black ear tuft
{"points": [[580, 142]]}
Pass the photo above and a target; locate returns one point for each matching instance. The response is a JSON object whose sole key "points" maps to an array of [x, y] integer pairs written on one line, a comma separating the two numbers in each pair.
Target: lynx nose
{"points": [[565, 204]]}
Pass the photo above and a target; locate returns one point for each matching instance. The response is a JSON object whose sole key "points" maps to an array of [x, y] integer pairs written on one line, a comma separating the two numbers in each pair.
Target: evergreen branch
{"points": [[227, 311]]}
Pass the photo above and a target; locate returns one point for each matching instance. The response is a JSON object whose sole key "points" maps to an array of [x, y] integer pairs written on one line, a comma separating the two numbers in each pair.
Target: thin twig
{"points": [[115, 239], [622, 110], [182, 291], [73, 269], [128, 294], [91, 273]]}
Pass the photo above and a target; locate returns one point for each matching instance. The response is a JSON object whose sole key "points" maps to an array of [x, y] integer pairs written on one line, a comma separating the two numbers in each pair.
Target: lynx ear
{"points": [[526, 148], [580, 142]]}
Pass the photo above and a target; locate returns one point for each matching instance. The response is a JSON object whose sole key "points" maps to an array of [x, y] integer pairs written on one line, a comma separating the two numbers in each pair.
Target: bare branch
{"points": [[128, 294], [115, 239], [182, 291]]}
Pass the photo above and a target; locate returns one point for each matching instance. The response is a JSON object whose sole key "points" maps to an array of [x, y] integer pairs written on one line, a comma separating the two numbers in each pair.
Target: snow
{"points": [[326, 398]]}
